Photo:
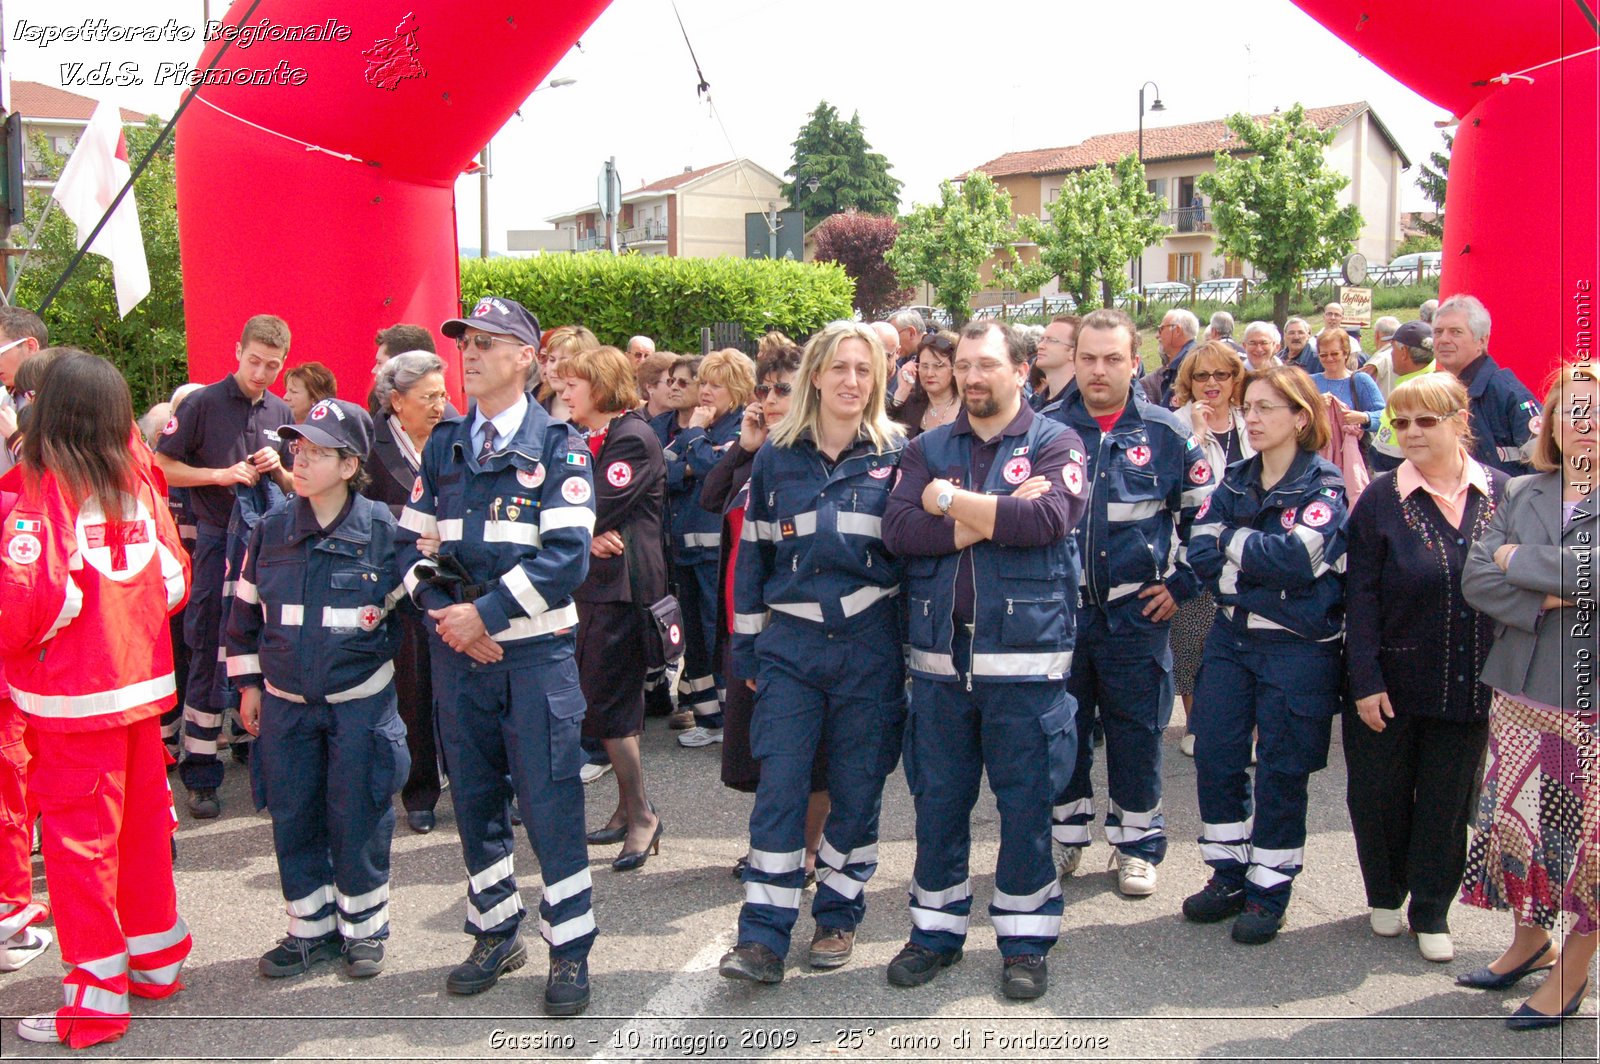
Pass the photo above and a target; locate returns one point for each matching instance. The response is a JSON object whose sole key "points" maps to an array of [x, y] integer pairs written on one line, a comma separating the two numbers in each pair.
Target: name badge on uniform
{"points": [[786, 528]]}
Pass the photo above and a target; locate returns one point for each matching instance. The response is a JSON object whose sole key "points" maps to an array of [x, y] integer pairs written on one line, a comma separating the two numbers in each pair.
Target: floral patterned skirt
{"points": [[1536, 843]]}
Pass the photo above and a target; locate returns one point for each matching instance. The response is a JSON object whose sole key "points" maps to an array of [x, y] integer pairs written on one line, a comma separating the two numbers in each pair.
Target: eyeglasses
{"points": [[308, 453], [433, 399], [1069, 345], [14, 343], [679, 382], [1212, 375], [987, 366], [483, 341], [783, 390], [1423, 421], [934, 363], [1262, 409]]}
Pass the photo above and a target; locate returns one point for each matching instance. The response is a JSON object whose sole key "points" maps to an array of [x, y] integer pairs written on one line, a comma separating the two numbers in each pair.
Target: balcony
{"points": [[590, 240], [1187, 219], [649, 233]]}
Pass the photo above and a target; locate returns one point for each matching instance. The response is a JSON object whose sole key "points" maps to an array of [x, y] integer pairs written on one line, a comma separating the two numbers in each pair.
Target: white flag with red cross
{"points": [[94, 174]]}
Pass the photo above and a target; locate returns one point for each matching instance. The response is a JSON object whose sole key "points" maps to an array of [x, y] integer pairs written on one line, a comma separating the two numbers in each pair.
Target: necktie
{"points": [[488, 442]]}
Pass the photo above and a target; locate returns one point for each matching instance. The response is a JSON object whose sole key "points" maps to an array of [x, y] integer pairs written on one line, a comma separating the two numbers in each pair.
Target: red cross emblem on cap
{"points": [[1139, 455], [483, 307]]}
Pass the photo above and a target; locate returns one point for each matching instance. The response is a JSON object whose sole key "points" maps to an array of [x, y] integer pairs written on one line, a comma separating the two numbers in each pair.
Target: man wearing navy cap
{"points": [[507, 493]]}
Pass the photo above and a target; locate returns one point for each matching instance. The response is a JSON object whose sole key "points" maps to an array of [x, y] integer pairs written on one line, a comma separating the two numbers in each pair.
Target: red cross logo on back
{"points": [[118, 537]]}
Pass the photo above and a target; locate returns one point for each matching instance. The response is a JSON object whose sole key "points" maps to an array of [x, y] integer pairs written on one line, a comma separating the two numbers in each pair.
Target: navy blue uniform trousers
{"points": [[1287, 691], [843, 692], [203, 705], [328, 775], [1122, 670], [509, 732]]}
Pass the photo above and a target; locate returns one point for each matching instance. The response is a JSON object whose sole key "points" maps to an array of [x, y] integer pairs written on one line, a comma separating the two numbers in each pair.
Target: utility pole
{"points": [[483, 203], [611, 203], [772, 229]]}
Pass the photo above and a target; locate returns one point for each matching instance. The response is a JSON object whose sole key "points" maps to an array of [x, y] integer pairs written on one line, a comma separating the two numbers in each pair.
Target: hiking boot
{"points": [[752, 961], [566, 989], [915, 965], [1257, 925], [203, 804], [363, 958], [491, 957], [831, 947], [294, 955], [1219, 900], [1024, 978]]}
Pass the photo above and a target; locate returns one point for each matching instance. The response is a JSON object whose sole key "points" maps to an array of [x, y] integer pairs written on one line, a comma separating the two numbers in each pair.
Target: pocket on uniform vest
{"points": [[391, 760], [919, 622], [566, 732], [1033, 621]]}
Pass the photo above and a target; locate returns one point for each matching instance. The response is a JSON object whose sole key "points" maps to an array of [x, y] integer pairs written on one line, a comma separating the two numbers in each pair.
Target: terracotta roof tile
{"points": [[31, 99], [667, 184], [1197, 139]]}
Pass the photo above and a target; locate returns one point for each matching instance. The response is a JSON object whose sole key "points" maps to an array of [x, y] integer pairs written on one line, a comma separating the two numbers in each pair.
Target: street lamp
{"points": [[483, 173], [1154, 107]]}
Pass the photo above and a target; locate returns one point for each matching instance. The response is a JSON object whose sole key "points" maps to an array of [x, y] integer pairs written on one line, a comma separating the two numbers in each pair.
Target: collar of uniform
{"points": [[1476, 375], [506, 422], [306, 524], [962, 425], [849, 452], [230, 384], [1130, 420]]}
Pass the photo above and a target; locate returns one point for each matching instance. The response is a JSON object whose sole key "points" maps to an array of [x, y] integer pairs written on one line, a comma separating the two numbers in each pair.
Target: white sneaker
{"points": [[591, 771], [1436, 947], [698, 736], [1187, 744], [1136, 877], [1067, 859], [23, 947], [40, 1028], [1386, 923]]}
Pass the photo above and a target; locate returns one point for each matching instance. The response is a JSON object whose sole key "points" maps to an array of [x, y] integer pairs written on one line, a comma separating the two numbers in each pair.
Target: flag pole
{"points": [[161, 139]]}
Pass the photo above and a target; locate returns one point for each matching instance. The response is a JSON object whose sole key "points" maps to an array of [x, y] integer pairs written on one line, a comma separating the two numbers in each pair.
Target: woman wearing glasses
{"points": [[1269, 542], [409, 393], [1534, 851], [1413, 652], [1211, 383], [925, 394]]}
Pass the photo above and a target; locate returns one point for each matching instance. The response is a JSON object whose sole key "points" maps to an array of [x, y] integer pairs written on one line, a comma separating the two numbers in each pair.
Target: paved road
{"points": [[1131, 980]]}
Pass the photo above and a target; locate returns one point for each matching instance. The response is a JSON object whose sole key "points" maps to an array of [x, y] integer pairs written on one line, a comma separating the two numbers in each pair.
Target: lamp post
{"points": [[1154, 107], [483, 174]]}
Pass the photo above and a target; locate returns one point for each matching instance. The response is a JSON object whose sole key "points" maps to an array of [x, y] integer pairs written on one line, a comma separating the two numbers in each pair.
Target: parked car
{"points": [[1417, 265], [1166, 291]]}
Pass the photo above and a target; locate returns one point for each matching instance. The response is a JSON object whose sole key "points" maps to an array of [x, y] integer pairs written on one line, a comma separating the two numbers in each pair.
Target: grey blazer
{"points": [[1547, 656]]}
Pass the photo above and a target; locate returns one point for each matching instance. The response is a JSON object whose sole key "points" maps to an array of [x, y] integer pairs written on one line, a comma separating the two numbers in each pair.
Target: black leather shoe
{"points": [[240, 752], [492, 956], [1025, 978], [915, 965], [421, 821], [1257, 925], [363, 958], [1486, 978], [607, 836], [752, 961], [295, 955], [203, 804], [627, 861], [1219, 900], [1527, 1018], [566, 991]]}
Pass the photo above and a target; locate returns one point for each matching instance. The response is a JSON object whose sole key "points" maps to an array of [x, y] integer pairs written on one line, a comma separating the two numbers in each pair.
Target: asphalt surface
{"points": [[1130, 979]]}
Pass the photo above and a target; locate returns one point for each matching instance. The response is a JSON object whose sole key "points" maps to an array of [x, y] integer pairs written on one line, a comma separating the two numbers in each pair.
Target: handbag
{"points": [[666, 618]]}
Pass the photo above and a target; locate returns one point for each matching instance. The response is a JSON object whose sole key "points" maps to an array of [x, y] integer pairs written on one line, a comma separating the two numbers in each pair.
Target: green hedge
{"points": [[669, 300]]}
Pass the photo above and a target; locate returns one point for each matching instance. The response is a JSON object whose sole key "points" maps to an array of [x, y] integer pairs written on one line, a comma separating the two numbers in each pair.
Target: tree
{"points": [[859, 242], [1102, 218], [1432, 181], [945, 244], [148, 346], [847, 171], [1277, 205]]}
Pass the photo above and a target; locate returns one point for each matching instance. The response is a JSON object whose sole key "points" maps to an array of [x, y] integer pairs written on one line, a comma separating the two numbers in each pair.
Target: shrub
{"points": [[667, 299]]}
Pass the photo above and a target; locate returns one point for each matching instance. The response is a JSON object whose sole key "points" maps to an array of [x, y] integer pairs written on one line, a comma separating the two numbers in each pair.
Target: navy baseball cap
{"points": [[335, 424], [494, 314], [1414, 334]]}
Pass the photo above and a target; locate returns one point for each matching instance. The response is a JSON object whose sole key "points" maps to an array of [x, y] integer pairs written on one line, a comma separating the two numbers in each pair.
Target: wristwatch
{"points": [[944, 499]]}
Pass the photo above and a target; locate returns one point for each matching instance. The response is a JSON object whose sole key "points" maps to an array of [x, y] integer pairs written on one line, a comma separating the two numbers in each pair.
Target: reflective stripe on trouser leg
{"points": [[202, 631], [368, 763], [546, 756], [943, 767], [468, 707], [1072, 812], [1022, 727], [1224, 718], [699, 680], [294, 776]]}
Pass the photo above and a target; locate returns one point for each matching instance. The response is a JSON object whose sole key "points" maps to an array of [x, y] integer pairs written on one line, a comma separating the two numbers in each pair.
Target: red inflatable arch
{"points": [[326, 194], [1520, 215]]}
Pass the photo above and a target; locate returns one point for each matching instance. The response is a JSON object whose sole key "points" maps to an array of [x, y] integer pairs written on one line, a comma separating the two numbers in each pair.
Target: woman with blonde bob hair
{"points": [[1413, 651], [817, 622], [1535, 848]]}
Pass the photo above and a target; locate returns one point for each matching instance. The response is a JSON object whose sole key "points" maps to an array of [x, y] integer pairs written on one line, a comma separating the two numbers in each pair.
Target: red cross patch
{"points": [[1288, 517], [319, 412], [172, 426], [1017, 470], [575, 490], [533, 479], [619, 474], [1072, 477], [1318, 514], [1139, 455], [117, 538], [1205, 508], [675, 635], [369, 617], [880, 473], [24, 549], [416, 491], [1200, 472]]}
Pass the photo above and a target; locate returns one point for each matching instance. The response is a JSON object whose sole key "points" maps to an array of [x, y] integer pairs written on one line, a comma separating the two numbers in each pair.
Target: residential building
{"points": [[697, 214], [57, 115], [1174, 156]]}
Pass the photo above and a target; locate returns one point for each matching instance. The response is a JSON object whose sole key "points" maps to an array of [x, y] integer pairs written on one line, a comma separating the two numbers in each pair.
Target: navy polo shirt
{"points": [[217, 427]]}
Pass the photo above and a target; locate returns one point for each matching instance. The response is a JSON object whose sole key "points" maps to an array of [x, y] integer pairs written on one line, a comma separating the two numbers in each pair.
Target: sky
{"points": [[938, 90]]}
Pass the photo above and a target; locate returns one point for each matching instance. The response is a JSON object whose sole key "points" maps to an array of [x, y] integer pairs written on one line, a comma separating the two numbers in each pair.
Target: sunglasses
{"points": [[783, 390], [483, 341], [1423, 421], [1212, 375]]}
